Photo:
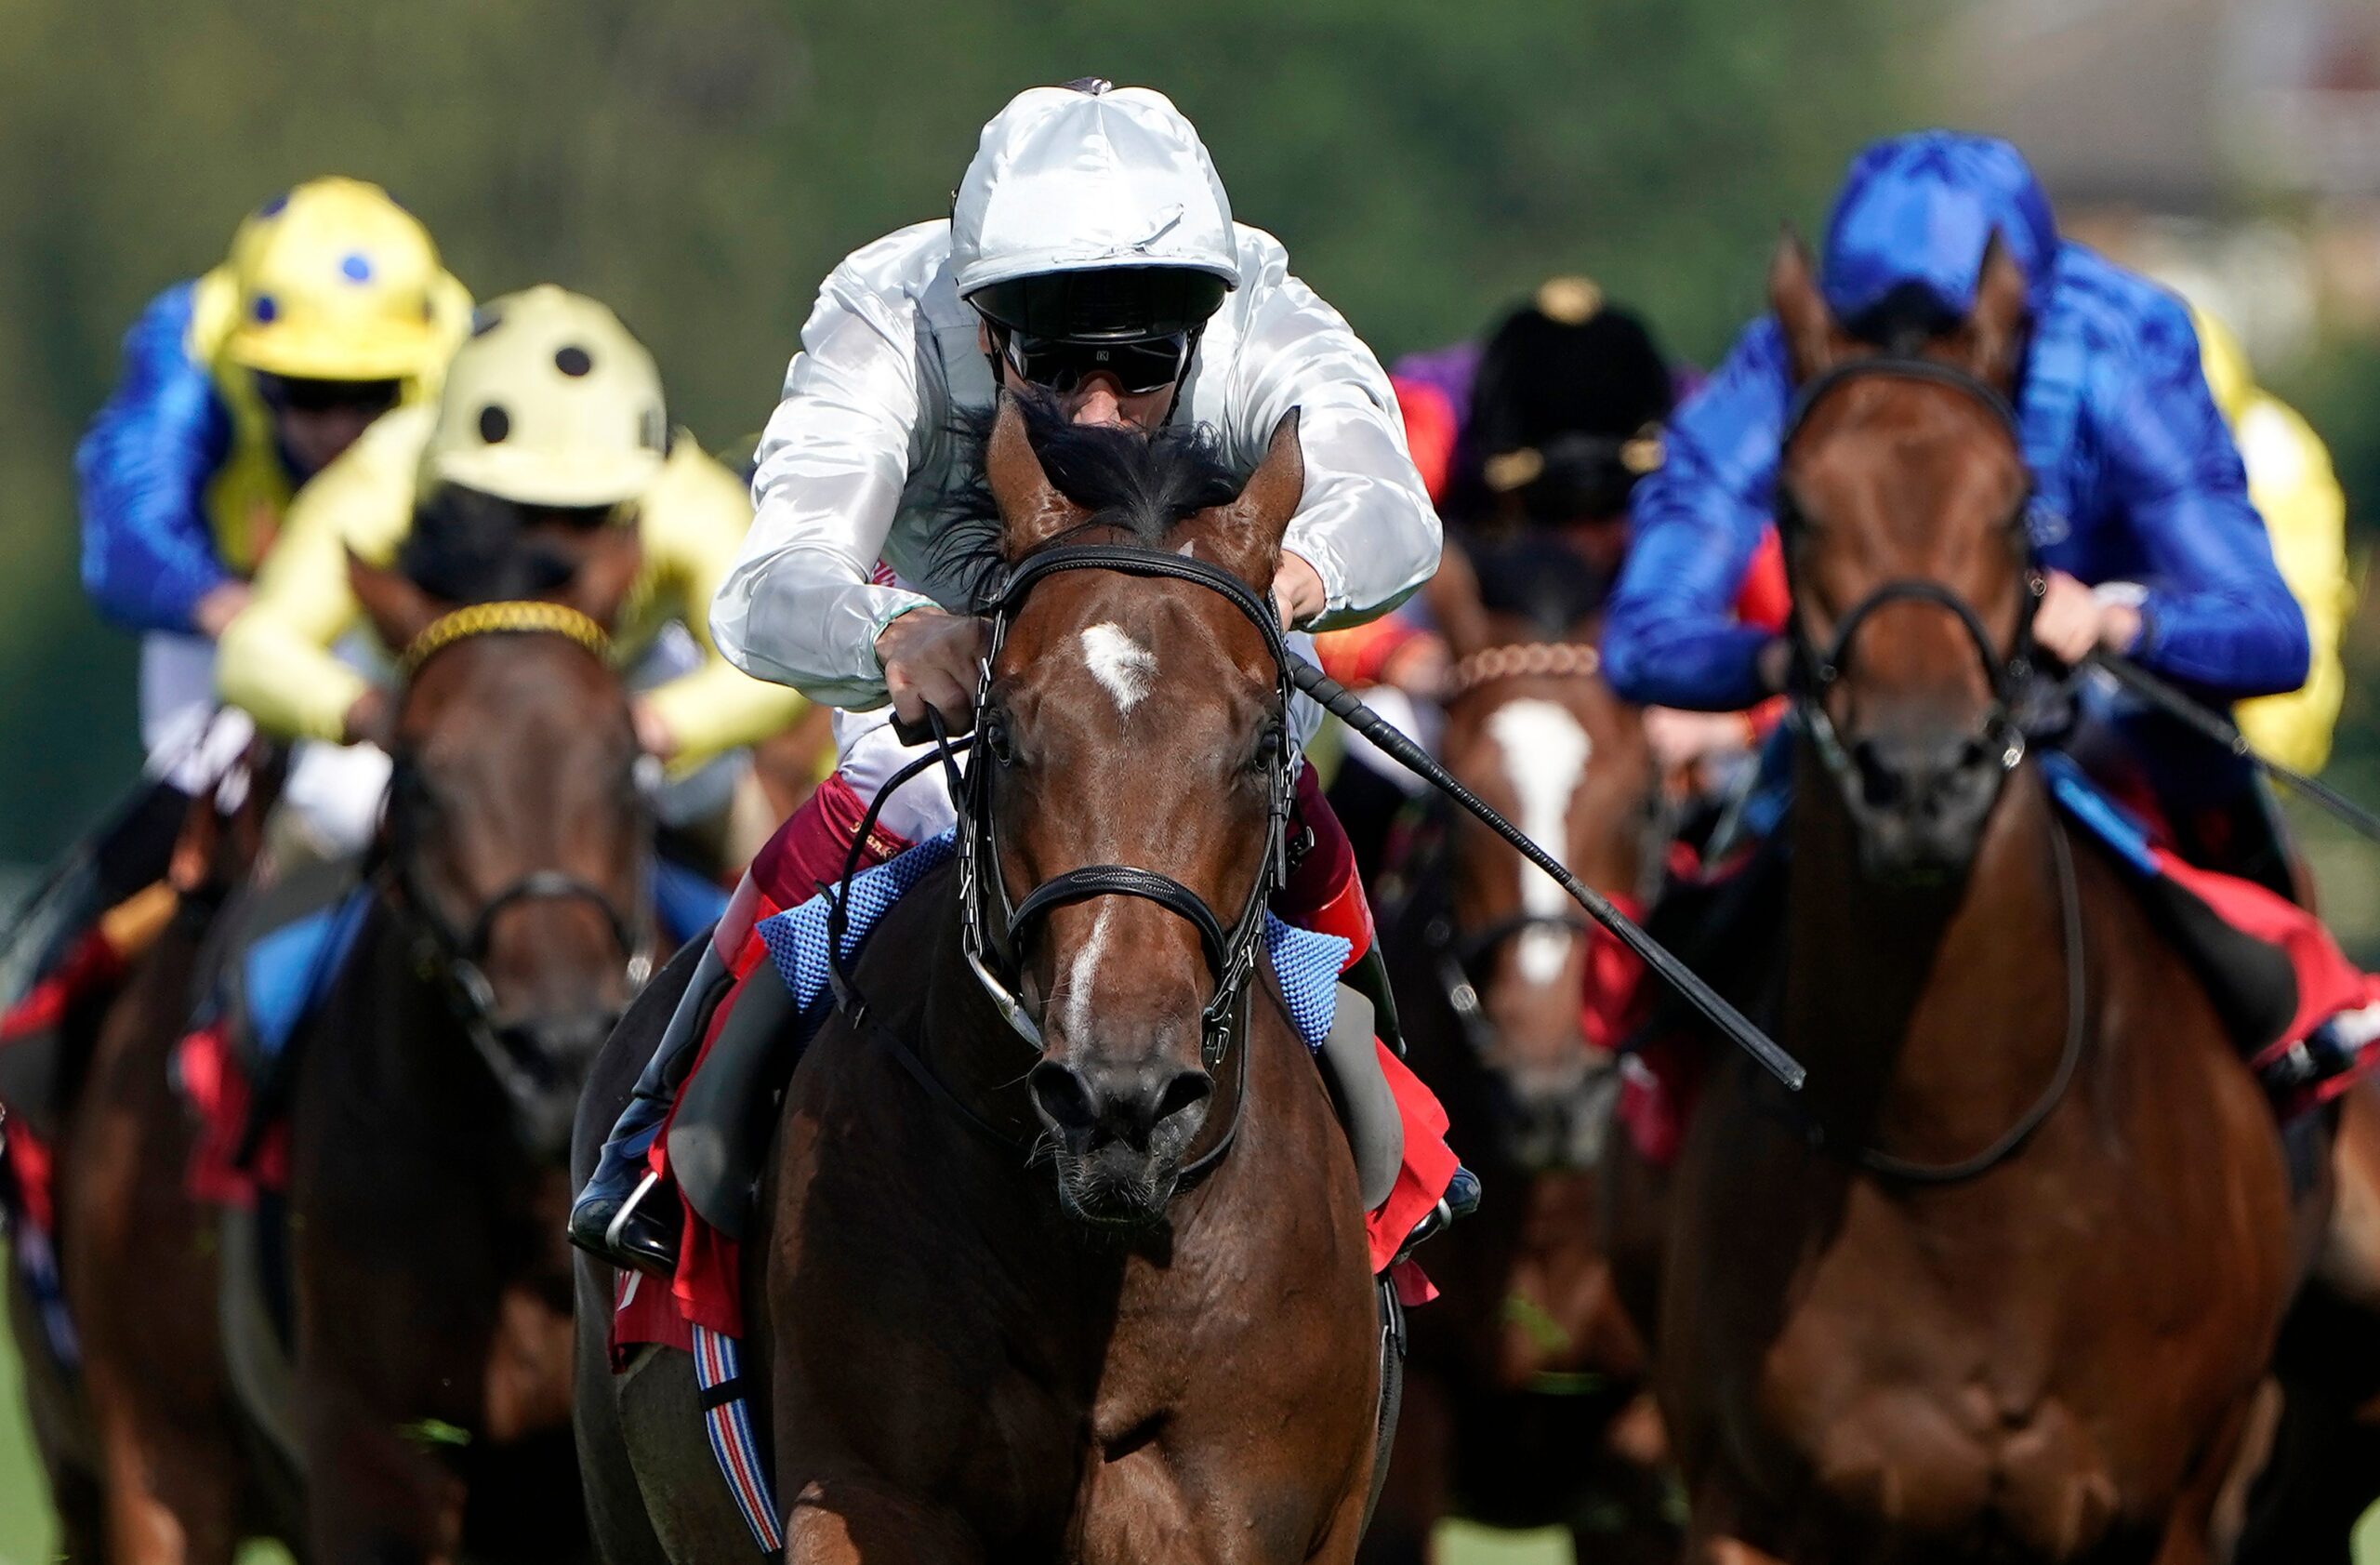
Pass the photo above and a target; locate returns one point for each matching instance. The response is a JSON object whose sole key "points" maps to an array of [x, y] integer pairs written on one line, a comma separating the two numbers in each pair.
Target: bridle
{"points": [[2010, 677], [995, 929], [448, 956], [1816, 672]]}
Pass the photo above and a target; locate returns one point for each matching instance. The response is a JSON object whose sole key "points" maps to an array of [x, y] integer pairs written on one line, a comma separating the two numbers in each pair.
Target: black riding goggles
{"points": [[1138, 368], [286, 394]]}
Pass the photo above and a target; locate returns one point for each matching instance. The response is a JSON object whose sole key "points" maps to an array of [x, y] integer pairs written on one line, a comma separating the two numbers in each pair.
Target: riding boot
{"points": [[617, 1215], [1461, 1200]]}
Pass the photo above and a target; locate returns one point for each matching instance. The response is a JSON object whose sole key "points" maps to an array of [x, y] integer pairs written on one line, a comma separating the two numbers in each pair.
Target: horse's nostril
{"points": [[1880, 784], [1062, 1096], [1186, 1091]]}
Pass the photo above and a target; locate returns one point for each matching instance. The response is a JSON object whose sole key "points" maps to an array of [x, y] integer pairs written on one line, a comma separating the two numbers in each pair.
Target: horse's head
{"points": [[1131, 721], [1533, 730], [1902, 495], [517, 832]]}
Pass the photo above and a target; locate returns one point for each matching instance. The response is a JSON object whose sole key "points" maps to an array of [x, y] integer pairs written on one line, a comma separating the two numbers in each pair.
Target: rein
{"points": [[994, 930], [449, 956], [1885, 1165]]}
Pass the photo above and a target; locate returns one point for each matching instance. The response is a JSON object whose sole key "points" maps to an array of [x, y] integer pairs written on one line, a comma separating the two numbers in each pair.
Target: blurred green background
{"points": [[701, 164]]}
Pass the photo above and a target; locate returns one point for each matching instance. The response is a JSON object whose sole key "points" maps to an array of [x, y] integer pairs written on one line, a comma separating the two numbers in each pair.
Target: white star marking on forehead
{"points": [[1122, 666]]}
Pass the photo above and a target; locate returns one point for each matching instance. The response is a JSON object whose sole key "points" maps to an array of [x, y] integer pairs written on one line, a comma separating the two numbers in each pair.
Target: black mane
{"points": [[467, 546], [1531, 575], [1144, 484]]}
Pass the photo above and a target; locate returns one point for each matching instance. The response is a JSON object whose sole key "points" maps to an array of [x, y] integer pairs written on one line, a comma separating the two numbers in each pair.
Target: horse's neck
{"points": [[1943, 1010]]}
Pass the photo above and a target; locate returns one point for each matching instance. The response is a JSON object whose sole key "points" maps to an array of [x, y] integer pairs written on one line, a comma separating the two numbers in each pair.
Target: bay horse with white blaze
{"points": [[1107, 1298], [2003, 1285], [1528, 1398]]}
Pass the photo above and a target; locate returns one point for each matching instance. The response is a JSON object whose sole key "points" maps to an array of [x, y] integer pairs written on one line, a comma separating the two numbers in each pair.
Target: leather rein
{"points": [[995, 929]]}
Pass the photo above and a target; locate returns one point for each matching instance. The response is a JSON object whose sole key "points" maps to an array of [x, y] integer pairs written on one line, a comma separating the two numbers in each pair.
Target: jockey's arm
{"points": [[2218, 614], [1670, 636], [691, 524], [1365, 522], [275, 661], [149, 554], [797, 606]]}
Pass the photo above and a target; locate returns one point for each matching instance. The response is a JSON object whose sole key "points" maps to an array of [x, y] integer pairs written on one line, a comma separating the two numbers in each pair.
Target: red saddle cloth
{"points": [[808, 851], [214, 1082]]}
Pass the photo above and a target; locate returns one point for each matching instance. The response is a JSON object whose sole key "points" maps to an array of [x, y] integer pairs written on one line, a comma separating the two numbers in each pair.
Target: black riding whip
{"points": [[2218, 729], [1340, 703]]}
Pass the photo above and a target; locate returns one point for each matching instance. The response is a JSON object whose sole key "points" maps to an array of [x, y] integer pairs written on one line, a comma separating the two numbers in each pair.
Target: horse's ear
{"points": [[1032, 510], [1247, 531], [1994, 334], [399, 610], [1453, 597], [606, 575], [1812, 339]]}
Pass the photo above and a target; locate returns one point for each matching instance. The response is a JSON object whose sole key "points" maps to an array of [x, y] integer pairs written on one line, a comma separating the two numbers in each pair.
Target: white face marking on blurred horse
{"points": [[1122, 666], [1545, 755]]}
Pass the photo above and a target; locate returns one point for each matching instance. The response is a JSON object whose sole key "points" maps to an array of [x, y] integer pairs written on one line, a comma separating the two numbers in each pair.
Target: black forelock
{"points": [[1534, 577], [1144, 484], [1906, 317], [467, 546]]}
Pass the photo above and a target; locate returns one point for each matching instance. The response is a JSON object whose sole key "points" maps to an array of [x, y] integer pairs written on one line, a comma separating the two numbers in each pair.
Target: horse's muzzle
{"points": [[550, 1056], [1120, 1129], [1921, 801]]}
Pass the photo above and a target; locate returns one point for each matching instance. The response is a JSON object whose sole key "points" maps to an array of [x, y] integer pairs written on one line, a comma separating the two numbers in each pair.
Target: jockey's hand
{"points": [[220, 607], [1680, 739], [368, 720], [653, 735], [930, 659], [2072, 621], [1297, 591]]}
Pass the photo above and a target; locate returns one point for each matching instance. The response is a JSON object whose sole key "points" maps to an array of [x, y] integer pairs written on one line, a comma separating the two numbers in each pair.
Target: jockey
{"points": [[1547, 424], [237, 389], [1090, 252], [552, 430], [2141, 519]]}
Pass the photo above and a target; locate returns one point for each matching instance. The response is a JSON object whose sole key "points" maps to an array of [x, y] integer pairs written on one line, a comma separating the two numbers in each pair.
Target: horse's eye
{"points": [[997, 740], [1272, 744]]}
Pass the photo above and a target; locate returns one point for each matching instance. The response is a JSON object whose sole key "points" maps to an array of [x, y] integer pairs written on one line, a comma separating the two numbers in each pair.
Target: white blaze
{"points": [[1083, 974], [1545, 756], [1122, 666]]}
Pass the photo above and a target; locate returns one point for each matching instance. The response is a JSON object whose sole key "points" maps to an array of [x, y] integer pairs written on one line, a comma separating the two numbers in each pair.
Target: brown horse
{"points": [[1169, 1350], [2004, 1284], [1526, 1397], [172, 1474], [432, 1094]]}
